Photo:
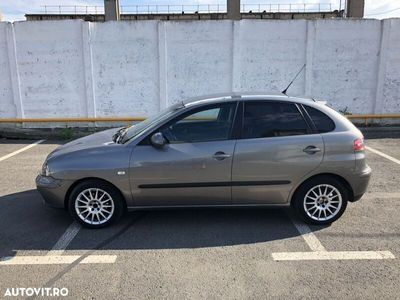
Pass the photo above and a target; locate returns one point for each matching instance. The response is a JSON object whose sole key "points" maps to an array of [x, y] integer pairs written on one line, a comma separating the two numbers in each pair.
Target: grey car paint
{"points": [[184, 164], [133, 169], [273, 159], [93, 156]]}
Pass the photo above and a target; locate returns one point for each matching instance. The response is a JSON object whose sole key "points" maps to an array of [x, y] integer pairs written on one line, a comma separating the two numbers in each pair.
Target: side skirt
{"points": [[233, 206]]}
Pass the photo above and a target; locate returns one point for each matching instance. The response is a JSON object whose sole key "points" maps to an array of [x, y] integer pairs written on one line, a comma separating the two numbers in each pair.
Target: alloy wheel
{"points": [[322, 202], [94, 206]]}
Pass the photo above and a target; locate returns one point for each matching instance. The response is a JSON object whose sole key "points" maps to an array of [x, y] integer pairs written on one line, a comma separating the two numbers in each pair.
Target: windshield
{"points": [[134, 130]]}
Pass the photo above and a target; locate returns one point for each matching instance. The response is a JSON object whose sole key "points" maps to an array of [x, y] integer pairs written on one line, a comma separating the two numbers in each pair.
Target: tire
{"points": [[321, 200], [96, 204]]}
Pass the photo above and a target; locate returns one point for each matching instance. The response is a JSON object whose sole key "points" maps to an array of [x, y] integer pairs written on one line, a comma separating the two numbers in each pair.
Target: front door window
{"points": [[210, 124]]}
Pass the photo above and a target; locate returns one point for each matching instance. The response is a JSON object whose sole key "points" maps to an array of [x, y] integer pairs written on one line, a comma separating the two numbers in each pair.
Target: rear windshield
{"points": [[321, 120]]}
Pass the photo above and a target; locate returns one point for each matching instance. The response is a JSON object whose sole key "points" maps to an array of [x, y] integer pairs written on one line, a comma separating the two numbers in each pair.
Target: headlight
{"points": [[45, 169]]}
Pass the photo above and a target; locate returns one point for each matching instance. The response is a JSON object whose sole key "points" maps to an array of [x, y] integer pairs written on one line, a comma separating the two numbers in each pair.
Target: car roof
{"points": [[341, 122], [216, 98]]}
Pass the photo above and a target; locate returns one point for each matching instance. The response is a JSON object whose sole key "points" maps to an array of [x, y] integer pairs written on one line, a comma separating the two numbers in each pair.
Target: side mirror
{"points": [[158, 140]]}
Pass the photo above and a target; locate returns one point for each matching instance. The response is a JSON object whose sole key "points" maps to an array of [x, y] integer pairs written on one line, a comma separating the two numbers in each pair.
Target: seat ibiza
{"points": [[223, 151]]}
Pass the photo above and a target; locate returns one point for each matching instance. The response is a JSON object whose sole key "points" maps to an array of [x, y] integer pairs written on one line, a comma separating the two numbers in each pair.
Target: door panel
{"points": [[182, 174], [194, 167], [276, 164]]}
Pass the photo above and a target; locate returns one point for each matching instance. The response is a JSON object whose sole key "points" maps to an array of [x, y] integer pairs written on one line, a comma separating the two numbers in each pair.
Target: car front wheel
{"points": [[95, 204], [321, 200]]}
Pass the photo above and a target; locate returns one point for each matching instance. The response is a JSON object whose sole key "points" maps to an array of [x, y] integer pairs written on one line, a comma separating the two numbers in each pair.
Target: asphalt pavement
{"points": [[213, 254]]}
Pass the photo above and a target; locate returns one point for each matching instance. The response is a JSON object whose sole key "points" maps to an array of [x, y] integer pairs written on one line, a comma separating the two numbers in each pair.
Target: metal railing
{"points": [[72, 9], [173, 9], [289, 8], [187, 8], [216, 8]]}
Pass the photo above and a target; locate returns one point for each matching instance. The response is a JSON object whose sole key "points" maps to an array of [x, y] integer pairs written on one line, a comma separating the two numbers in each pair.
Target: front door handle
{"points": [[221, 155], [311, 150]]}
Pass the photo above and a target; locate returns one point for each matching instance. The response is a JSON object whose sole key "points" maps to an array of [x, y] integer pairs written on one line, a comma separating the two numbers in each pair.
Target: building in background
{"points": [[233, 9], [190, 12]]}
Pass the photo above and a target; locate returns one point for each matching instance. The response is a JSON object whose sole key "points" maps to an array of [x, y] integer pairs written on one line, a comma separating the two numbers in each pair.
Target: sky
{"points": [[14, 10]]}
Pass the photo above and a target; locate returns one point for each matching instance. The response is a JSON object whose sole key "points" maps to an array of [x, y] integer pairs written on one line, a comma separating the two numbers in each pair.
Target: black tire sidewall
{"points": [[305, 187], [114, 193]]}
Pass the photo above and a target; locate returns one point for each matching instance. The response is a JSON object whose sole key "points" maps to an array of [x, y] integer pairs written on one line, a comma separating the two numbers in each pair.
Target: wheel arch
{"points": [[71, 188], [336, 176]]}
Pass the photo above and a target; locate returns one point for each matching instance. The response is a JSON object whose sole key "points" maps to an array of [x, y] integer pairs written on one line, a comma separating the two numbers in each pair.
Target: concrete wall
{"points": [[80, 69]]}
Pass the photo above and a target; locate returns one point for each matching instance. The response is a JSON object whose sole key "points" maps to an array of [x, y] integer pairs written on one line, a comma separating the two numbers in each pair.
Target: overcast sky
{"points": [[14, 10]]}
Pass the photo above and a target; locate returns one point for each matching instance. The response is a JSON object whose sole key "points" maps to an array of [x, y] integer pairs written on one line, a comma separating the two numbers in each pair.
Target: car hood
{"points": [[102, 138]]}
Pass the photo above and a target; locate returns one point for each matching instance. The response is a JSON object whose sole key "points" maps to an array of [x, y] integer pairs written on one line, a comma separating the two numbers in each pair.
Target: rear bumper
{"points": [[360, 182], [52, 190]]}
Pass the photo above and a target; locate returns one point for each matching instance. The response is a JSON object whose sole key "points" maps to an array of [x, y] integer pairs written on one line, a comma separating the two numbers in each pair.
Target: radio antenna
{"points": [[298, 73]]}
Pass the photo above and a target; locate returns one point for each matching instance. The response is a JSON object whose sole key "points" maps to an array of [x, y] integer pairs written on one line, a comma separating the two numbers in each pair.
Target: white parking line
{"points": [[318, 251], [309, 236], [65, 239], [57, 259], [99, 259], [54, 256], [20, 150], [382, 195], [333, 255], [395, 160]]}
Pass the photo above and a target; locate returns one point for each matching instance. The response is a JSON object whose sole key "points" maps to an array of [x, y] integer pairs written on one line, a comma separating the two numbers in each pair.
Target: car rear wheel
{"points": [[321, 200], [95, 204]]}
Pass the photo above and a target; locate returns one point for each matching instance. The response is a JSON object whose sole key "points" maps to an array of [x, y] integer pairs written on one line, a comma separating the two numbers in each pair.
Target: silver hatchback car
{"points": [[223, 151]]}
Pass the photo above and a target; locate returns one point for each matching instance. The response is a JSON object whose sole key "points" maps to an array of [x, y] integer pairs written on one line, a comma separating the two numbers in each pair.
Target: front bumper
{"points": [[360, 183], [52, 190]]}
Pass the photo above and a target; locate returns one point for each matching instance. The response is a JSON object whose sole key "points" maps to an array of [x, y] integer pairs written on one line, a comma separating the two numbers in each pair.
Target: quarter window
{"points": [[272, 119], [321, 120], [209, 124]]}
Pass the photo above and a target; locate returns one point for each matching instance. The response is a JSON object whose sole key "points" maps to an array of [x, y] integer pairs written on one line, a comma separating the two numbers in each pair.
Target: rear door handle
{"points": [[311, 150], [221, 155]]}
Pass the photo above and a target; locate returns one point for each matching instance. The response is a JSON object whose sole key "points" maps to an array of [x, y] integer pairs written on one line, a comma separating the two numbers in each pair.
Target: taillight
{"points": [[358, 145]]}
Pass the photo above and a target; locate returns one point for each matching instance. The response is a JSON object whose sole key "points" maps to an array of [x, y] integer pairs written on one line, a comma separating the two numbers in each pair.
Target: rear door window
{"points": [[272, 119]]}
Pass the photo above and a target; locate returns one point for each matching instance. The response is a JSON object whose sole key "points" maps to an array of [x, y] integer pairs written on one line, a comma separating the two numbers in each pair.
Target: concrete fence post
{"points": [[162, 65], [385, 37], [14, 74], [311, 28], [232, 69], [88, 70], [235, 69]]}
